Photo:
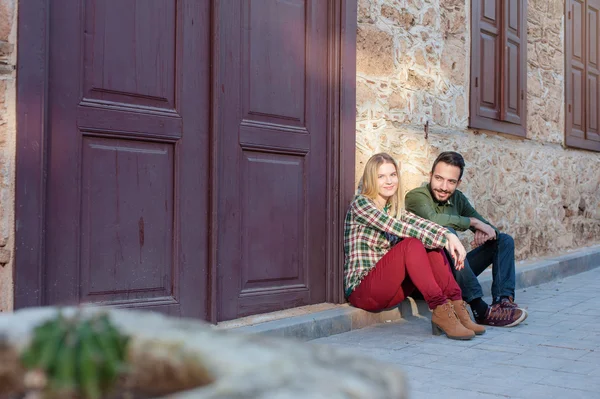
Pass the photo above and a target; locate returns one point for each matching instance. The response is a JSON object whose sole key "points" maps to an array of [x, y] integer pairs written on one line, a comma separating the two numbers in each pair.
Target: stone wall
{"points": [[413, 67], [8, 35]]}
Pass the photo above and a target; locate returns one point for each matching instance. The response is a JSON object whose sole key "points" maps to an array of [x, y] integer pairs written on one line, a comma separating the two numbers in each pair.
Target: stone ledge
{"points": [[344, 318], [340, 319]]}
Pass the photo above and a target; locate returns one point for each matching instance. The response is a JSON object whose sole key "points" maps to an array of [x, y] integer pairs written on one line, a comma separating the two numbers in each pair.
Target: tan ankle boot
{"points": [[444, 320], [460, 308]]}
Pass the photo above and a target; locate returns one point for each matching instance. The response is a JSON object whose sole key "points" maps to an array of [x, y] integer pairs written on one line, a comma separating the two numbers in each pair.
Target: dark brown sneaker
{"points": [[508, 302], [499, 316]]}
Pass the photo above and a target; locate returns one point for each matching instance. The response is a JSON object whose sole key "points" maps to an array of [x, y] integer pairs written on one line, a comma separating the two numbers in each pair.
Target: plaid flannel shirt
{"points": [[365, 240]]}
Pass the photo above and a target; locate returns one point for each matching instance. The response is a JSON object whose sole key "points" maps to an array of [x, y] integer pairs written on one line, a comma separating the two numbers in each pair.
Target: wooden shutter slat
{"points": [[491, 46], [485, 53], [575, 39], [489, 90], [513, 62], [592, 131]]}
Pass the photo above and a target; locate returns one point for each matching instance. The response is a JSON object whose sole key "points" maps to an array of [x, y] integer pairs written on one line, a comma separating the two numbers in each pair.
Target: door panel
{"points": [[130, 52], [128, 154], [281, 220], [273, 65], [127, 228], [272, 133]]}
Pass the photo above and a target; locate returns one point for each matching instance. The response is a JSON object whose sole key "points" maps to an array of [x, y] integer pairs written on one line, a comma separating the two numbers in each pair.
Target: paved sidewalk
{"points": [[555, 353]]}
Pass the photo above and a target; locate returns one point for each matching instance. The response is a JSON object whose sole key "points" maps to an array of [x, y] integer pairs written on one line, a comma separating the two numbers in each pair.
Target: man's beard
{"points": [[436, 192]]}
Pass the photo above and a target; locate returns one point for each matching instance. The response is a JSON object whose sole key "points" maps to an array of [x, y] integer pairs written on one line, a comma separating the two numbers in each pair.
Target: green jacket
{"points": [[453, 213]]}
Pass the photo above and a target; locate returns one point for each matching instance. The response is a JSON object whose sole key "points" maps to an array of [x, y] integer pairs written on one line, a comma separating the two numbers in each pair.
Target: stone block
{"points": [[401, 18], [397, 100], [453, 23], [365, 96], [364, 12], [454, 64], [429, 17], [6, 49], [461, 107], [374, 51], [452, 4], [419, 81], [420, 58], [7, 8], [416, 4], [6, 69], [4, 256]]}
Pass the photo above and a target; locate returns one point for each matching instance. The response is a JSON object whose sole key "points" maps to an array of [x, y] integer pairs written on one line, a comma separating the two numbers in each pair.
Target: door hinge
{"points": [[476, 82], [522, 95], [569, 15], [569, 108]]}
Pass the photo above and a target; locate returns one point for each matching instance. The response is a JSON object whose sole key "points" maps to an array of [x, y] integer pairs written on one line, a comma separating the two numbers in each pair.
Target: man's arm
{"points": [[476, 221], [421, 205]]}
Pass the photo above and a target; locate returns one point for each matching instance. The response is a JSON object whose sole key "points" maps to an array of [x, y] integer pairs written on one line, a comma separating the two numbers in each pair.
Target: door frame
{"points": [[341, 153], [30, 167], [32, 122]]}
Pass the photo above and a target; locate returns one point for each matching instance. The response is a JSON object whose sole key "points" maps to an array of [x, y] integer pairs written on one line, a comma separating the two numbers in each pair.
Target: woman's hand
{"points": [[456, 250]]}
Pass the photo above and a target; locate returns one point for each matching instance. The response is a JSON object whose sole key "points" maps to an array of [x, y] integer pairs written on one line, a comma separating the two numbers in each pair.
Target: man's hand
{"points": [[456, 250], [479, 239], [483, 232]]}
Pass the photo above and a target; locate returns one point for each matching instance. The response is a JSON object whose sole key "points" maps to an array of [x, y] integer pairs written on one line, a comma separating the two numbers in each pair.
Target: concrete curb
{"points": [[344, 318]]}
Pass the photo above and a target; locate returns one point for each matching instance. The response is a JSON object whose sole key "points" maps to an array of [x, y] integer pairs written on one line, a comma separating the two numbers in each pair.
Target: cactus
{"points": [[79, 357]]}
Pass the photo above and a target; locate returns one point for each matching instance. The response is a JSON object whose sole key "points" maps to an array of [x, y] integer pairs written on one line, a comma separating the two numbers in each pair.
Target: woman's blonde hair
{"points": [[368, 182]]}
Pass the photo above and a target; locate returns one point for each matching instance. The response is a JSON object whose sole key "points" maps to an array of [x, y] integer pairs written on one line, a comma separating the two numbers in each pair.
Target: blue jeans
{"points": [[500, 253]]}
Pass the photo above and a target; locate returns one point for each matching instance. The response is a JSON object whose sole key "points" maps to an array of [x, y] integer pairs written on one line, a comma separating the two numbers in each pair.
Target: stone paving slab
{"points": [[555, 353]]}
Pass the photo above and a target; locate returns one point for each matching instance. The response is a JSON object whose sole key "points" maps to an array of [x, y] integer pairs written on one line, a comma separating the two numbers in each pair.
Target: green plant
{"points": [[79, 356]]}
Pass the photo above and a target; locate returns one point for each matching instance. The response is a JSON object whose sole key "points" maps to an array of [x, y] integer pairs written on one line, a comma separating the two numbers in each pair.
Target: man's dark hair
{"points": [[451, 158]]}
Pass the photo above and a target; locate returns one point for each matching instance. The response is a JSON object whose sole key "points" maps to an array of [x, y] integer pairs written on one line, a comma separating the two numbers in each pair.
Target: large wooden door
{"points": [[194, 157], [127, 154], [272, 133]]}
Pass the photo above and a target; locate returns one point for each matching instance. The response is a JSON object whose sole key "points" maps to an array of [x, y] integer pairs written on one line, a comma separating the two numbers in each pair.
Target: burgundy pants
{"points": [[406, 266]]}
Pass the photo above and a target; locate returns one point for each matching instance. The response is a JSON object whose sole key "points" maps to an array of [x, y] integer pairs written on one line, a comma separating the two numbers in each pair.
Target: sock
{"points": [[479, 307], [500, 298]]}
